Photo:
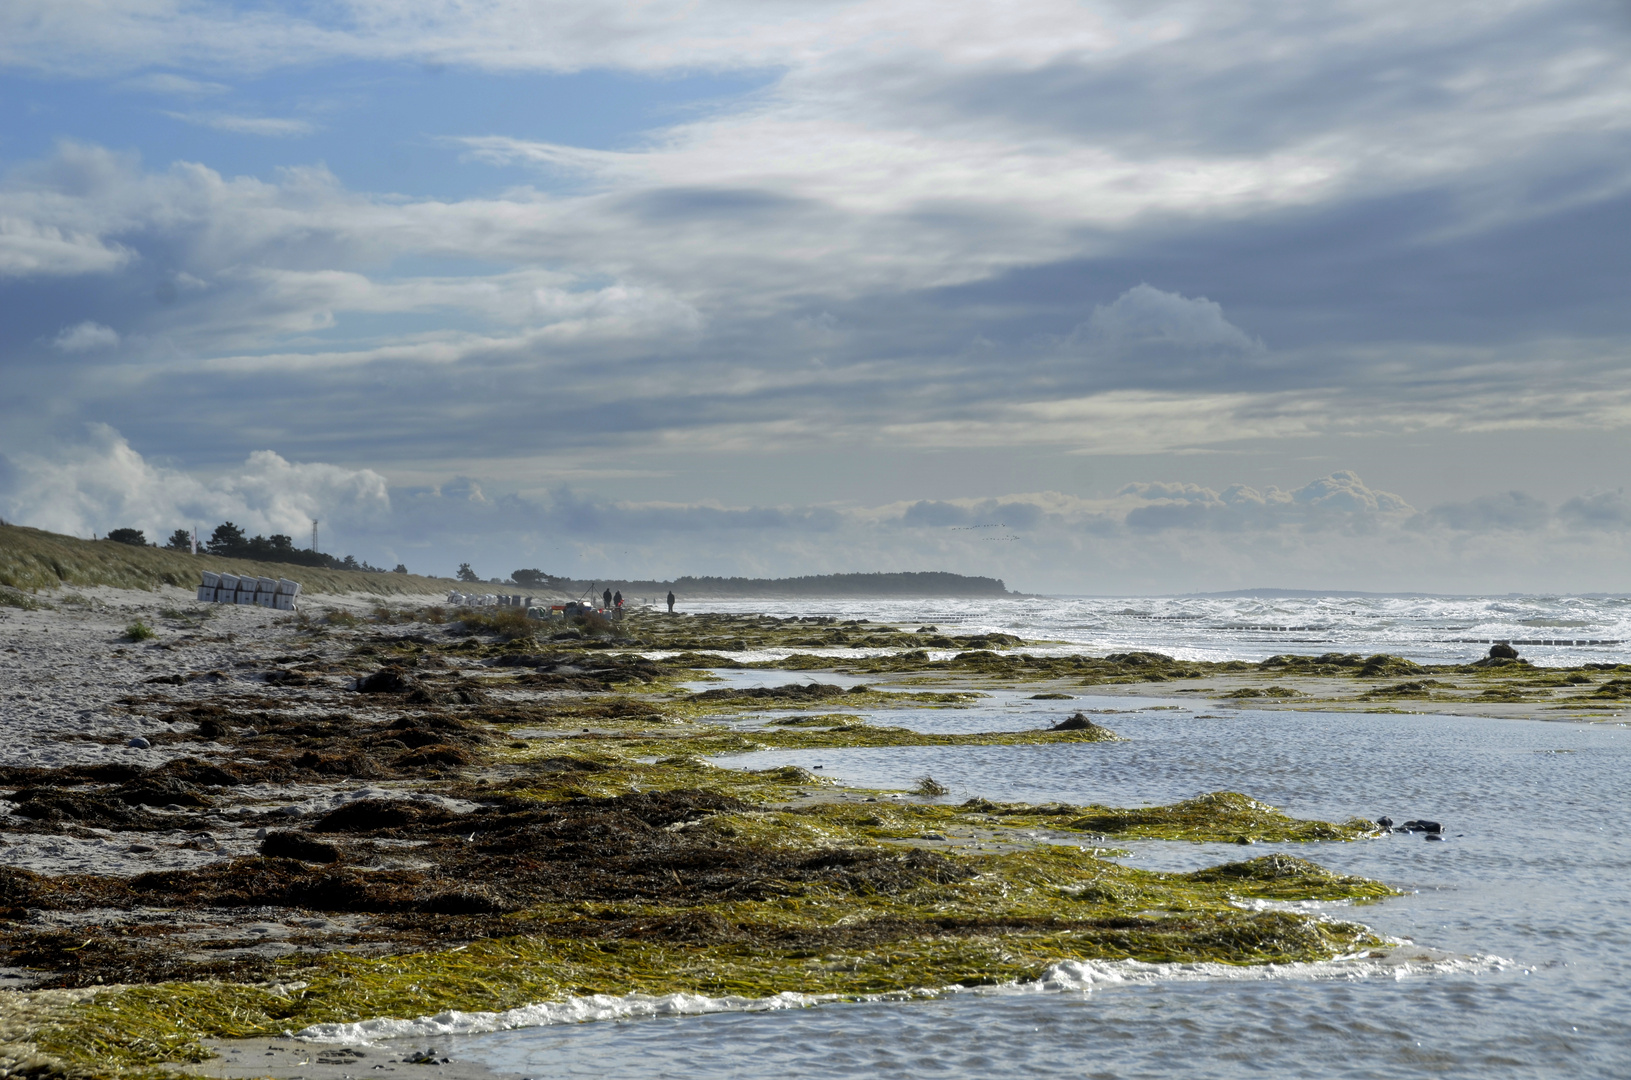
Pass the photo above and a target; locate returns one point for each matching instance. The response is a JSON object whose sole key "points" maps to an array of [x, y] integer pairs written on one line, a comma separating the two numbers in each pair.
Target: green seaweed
{"points": [[1220, 816]]}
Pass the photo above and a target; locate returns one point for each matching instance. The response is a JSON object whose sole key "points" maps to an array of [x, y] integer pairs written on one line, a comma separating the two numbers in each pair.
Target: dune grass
{"points": [[35, 559]]}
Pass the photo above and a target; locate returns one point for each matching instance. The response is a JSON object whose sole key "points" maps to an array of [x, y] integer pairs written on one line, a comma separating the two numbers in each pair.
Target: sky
{"points": [[1094, 297]]}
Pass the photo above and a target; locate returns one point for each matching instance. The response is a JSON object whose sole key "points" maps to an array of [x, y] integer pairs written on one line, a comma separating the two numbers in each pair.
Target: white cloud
{"points": [[103, 483], [35, 248], [85, 337], [276, 127], [174, 85], [1144, 316]]}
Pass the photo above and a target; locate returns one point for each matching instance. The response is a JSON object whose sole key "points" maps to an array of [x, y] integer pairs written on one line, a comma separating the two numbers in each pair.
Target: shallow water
{"points": [[1536, 871]]}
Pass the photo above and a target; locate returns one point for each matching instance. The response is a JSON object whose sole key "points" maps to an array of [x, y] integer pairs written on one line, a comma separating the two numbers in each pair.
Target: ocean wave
{"points": [[1064, 976]]}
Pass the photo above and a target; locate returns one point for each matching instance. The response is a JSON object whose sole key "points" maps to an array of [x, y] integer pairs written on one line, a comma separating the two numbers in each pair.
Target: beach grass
{"points": [[32, 559]]}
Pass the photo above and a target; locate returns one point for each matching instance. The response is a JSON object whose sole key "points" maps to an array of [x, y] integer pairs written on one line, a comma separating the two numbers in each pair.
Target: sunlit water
{"points": [[1536, 871]]}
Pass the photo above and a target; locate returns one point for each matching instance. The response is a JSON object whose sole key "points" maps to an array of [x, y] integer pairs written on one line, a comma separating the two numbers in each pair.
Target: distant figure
{"points": [[606, 596], [617, 602], [671, 601]]}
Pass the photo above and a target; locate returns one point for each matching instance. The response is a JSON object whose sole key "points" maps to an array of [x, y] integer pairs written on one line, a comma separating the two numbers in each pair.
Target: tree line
{"points": [[229, 541]]}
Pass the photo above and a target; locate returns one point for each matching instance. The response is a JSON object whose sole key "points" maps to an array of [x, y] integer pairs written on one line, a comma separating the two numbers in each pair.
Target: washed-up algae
{"points": [[607, 855], [688, 890], [993, 919]]}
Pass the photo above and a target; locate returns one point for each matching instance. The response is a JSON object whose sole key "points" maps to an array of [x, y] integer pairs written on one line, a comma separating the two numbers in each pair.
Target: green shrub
{"points": [[139, 631]]}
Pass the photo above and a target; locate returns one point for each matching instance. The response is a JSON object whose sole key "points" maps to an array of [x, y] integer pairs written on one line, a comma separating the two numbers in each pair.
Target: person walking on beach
{"points": [[617, 603], [607, 597], [671, 601]]}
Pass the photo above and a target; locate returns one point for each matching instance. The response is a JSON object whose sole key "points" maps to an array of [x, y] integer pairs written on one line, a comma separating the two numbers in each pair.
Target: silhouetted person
{"points": [[607, 596], [671, 601]]}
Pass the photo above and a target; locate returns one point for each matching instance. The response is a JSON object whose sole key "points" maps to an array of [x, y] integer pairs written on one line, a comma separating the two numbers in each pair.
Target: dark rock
{"points": [[1503, 651], [1433, 836], [1421, 826], [1385, 822], [387, 680], [1074, 722]]}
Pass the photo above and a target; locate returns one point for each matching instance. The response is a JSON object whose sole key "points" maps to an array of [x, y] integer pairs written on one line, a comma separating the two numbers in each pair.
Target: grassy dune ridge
{"points": [[35, 559]]}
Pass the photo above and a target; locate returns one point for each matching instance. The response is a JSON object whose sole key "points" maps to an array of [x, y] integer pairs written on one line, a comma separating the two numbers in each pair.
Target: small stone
{"points": [[1433, 836], [138, 743], [1385, 822]]}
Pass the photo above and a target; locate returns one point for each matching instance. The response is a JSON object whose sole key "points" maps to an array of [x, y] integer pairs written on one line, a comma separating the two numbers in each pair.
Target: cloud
{"points": [[1274, 225], [1608, 510], [164, 82], [33, 248], [103, 483], [1512, 510], [85, 337], [1145, 317], [1340, 501], [275, 127], [1150, 536]]}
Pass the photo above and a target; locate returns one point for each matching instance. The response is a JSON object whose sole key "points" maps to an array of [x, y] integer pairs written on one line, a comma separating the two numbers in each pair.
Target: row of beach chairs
{"points": [[278, 593]]}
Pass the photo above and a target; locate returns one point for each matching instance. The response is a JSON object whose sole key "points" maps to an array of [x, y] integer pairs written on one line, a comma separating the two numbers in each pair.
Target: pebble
{"points": [[138, 743]]}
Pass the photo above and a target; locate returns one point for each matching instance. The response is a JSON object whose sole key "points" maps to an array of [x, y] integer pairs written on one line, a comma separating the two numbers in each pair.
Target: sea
{"points": [[1515, 929]]}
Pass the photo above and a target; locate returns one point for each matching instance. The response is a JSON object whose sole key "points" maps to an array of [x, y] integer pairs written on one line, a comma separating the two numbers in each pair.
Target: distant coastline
{"points": [[813, 586]]}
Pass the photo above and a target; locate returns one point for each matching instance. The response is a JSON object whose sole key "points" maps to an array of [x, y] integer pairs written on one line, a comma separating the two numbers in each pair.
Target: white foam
{"points": [[1399, 963], [573, 1010], [1066, 976]]}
